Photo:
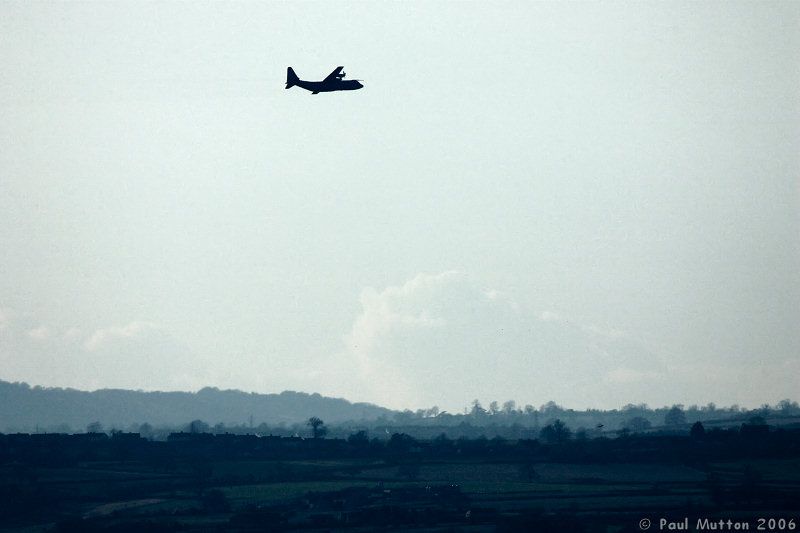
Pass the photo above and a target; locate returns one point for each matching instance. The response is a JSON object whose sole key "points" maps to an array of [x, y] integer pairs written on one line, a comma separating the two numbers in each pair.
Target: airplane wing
{"points": [[333, 74]]}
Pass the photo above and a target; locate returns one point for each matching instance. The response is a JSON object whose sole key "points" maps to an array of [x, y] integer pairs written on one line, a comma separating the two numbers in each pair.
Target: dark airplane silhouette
{"points": [[333, 82]]}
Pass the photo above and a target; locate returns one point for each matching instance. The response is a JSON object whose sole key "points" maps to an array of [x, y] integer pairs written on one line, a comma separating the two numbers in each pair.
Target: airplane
{"points": [[333, 82]]}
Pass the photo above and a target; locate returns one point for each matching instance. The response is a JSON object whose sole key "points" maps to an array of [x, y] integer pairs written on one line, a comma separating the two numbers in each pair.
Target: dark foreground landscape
{"points": [[204, 482]]}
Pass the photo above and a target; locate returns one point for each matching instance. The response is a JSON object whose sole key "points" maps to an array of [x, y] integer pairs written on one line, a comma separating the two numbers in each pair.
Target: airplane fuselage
{"points": [[326, 87]]}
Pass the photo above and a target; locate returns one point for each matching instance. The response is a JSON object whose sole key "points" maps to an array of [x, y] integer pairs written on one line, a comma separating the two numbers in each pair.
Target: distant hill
{"points": [[23, 408]]}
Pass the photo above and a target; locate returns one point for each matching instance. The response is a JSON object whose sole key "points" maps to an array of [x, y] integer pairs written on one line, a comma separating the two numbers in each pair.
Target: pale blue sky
{"points": [[589, 203]]}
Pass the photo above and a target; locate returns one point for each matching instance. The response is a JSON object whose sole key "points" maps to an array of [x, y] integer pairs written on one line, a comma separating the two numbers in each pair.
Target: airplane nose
{"points": [[359, 84]]}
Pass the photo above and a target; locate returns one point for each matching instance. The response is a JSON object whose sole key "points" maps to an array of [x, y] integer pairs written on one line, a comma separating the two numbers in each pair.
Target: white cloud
{"points": [[40, 333], [443, 339], [105, 336], [396, 309], [142, 355], [136, 355]]}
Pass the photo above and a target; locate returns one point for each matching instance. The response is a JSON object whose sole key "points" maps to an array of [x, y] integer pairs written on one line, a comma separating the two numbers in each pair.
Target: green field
{"points": [[199, 496]]}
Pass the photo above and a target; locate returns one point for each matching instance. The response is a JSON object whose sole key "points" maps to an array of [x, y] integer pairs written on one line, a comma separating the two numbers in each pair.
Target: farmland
{"points": [[202, 482]]}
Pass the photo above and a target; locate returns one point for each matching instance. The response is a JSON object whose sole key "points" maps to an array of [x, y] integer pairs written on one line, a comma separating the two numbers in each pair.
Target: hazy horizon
{"points": [[594, 204], [464, 410]]}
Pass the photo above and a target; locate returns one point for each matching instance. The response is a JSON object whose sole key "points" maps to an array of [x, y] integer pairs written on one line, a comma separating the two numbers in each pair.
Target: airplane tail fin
{"points": [[291, 78]]}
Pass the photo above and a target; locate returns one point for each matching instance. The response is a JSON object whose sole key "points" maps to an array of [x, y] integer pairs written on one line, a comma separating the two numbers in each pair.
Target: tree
{"points": [[550, 408], [509, 407], [477, 408], [94, 427], [555, 433], [400, 443], [360, 439], [755, 426], [442, 444], [198, 426], [318, 429], [697, 430], [675, 416], [494, 408], [146, 430], [405, 417], [787, 406], [638, 424]]}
